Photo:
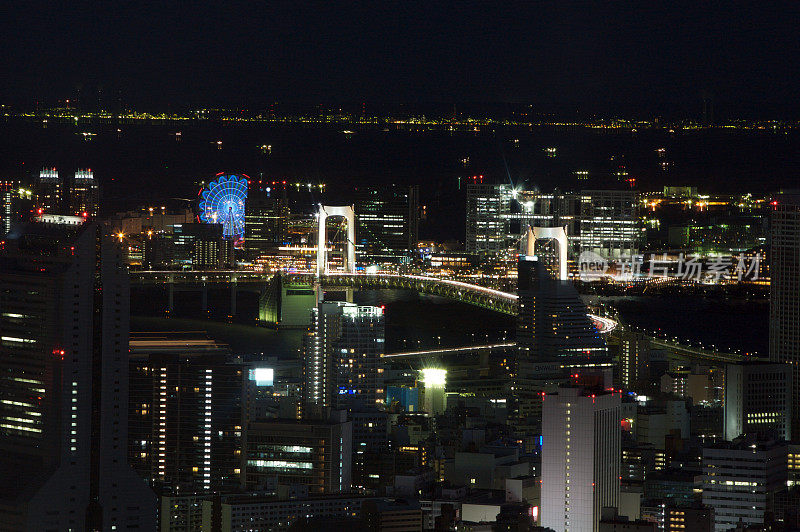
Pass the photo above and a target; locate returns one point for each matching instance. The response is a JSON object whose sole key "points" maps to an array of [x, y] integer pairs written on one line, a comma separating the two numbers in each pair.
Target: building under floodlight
{"points": [[434, 381]]}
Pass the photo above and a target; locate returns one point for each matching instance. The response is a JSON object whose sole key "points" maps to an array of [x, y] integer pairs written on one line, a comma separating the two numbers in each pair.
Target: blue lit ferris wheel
{"points": [[222, 202]]}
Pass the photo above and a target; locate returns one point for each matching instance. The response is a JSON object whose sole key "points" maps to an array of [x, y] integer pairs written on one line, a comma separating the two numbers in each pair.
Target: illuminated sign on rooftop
{"points": [[60, 219]]}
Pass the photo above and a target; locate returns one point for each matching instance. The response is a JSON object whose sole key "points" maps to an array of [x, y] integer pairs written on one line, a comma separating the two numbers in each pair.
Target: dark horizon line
{"points": [[439, 110]]}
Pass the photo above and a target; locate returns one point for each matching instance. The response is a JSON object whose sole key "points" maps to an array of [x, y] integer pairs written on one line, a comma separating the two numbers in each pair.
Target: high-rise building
{"points": [[556, 209], [434, 399], [741, 478], [552, 325], [342, 357], [784, 307], [49, 190], [185, 414], [64, 382], [758, 399], [555, 338], [609, 223], [581, 449], [272, 390], [695, 384], [370, 444], [488, 225], [84, 194], [285, 303], [315, 453], [387, 220], [603, 221], [658, 421], [266, 217], [12, 200], [202, 246], [634, 347], [158, 251], [639, 461]]}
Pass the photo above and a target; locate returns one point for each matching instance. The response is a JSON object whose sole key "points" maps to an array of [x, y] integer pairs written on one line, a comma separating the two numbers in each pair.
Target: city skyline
{"points": [[522, 267], [350, 414]]}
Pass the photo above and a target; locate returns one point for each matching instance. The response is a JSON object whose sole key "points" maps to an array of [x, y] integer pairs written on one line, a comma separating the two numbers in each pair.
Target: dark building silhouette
{"points": [[553, 325], [50, 192], [784, 307], [313, 453], [64, 382], [202, 246], [84, 194], [266, 217], [185, 414], [387, 221]]}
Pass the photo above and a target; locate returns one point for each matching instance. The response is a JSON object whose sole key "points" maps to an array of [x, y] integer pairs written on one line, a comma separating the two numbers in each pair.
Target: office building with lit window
{"points": [[370, 444], [313, 453], [6, 206], [634, 348], [185, 414], [793, 479], [688, 518], [84, 193], [266, 218], [488, 225], [758, 399], [64, 382], [603, 221], [784, 306], [249, 512], [581, 449], [272, 389], [50, 192], [342, 352], [202, 246], [609, 223], [741, 478], [14, 201], [556, 340], [387, 221], [555, 209], [553, 325]]}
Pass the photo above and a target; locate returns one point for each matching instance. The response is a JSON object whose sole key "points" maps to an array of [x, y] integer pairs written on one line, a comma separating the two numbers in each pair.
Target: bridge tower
{"points": [[537, 237], [346, 212]]}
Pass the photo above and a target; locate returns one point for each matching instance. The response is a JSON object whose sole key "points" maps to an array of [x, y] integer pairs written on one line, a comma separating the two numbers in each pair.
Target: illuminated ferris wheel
{"points": [[222, 202]]}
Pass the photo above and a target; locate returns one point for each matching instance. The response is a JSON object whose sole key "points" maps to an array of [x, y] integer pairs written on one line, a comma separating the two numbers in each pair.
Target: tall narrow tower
{"points": [[581, 450], [552, 325], [50, 191], [84, 194], [342, 357], [64, 382], [784, 307]]}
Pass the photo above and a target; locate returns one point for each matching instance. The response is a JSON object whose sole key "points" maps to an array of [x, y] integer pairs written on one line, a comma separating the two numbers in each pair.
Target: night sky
{"points": [[592, 57]]}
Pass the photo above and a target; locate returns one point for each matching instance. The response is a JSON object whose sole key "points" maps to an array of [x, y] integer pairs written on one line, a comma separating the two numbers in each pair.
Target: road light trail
{"points": [[450, 350]]}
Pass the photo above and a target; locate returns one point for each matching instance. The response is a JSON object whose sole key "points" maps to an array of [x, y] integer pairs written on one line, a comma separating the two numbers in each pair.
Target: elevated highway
{"points": [[496, 300], [488, 298]]}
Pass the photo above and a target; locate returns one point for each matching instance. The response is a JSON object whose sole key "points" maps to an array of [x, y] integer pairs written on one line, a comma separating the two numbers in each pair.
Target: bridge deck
{"points": [[481, 296]]}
